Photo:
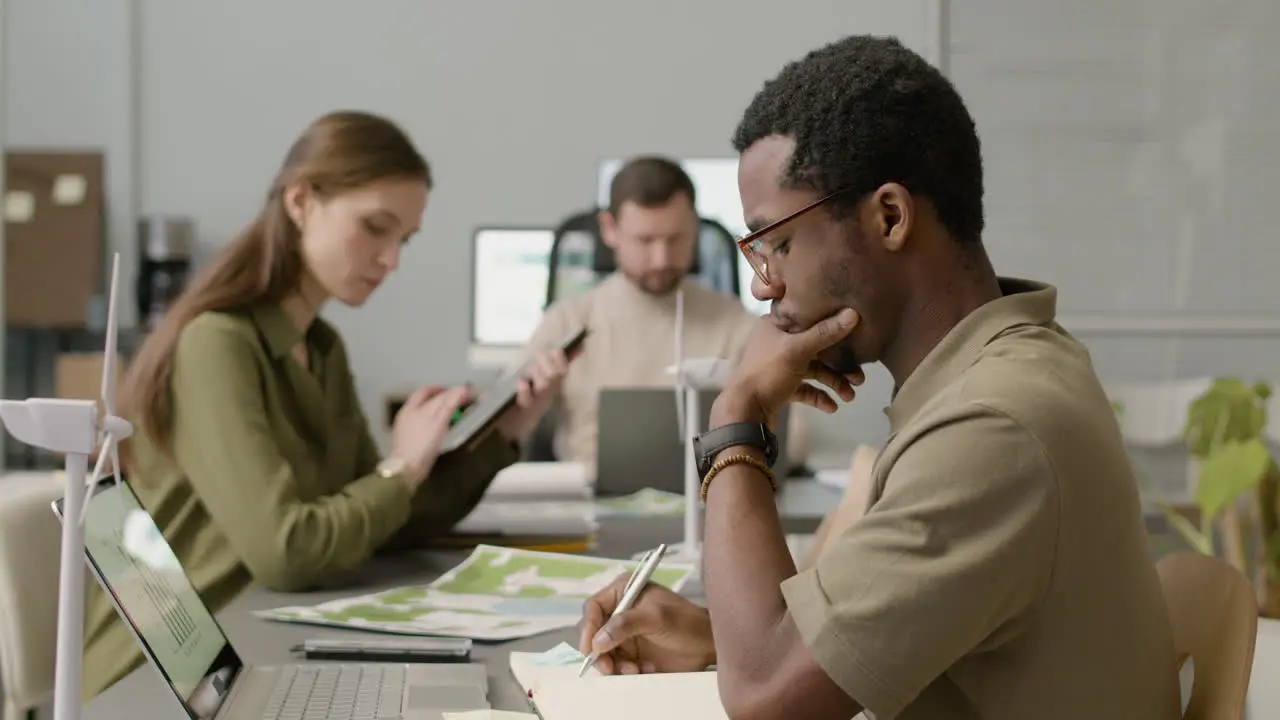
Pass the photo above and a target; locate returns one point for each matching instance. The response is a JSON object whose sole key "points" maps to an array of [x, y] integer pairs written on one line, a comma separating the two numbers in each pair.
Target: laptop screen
{"points": [[153, 594]]}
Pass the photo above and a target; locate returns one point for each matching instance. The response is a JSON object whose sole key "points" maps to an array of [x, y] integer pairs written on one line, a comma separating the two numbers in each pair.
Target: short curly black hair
{"points": [[864, 111]]}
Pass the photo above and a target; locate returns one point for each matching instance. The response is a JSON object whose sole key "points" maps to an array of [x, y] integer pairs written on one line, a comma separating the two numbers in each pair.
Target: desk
{"points": [[143, 695]]}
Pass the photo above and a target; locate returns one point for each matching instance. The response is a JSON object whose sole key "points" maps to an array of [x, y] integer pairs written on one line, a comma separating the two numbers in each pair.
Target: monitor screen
{"points": [[716, 182], [510, 268], [151, 591]]}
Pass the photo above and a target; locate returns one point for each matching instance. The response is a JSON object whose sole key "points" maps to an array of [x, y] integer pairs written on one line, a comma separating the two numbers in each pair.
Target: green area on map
{"points": [[388, 614], [496, 572]]}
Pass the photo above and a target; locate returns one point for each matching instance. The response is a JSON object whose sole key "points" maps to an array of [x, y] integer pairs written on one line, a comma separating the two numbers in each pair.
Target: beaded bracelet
{"points": [[742, 459]]}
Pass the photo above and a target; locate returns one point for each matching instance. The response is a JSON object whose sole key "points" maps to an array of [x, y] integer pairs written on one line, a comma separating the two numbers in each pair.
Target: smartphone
{"points": [[395, 650]]}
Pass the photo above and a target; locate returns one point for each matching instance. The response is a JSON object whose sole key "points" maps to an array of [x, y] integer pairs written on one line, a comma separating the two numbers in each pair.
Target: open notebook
{"points": [[559, 694]]}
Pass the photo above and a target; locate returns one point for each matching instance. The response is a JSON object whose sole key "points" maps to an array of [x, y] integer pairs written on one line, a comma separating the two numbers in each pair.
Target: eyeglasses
{"points": [[753, 244]]}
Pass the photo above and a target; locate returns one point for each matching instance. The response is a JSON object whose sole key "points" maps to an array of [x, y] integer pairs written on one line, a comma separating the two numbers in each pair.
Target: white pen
{"points": [[635, 584]]}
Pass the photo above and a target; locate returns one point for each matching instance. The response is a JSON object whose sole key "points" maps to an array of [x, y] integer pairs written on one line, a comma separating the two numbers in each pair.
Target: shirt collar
{"points": [[280, 333], [1024, 303]]}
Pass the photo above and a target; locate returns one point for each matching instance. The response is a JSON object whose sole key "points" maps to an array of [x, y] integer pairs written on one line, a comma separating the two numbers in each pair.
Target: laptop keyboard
{"points": [[336, 692]]}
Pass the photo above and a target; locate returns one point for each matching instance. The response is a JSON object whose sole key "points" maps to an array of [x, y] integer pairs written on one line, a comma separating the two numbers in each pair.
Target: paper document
{"points": [[642, 503], [545, 577], [495, 594], [541, 479], [669, 696], [423, 611], [530, 518], [559, 694]]}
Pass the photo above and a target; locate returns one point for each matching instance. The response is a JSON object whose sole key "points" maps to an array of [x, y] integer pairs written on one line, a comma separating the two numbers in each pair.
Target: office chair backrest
{"points": [[580, 258], [1215, 622]]}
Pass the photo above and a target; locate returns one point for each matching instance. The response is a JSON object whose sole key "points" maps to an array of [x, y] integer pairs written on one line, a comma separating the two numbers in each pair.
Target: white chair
{"points": [[30, 538]]}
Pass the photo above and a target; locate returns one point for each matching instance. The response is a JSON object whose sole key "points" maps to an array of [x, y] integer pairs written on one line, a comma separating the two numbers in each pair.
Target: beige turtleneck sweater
{"points": [[631, 344]]}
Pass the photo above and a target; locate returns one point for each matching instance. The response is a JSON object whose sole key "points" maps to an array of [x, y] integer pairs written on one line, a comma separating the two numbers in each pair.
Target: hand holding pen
{"points": [[639, 578], [652, 630]]}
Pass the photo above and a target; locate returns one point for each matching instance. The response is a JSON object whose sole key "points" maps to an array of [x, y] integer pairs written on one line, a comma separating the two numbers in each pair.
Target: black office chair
{"points": [[715, 263]]}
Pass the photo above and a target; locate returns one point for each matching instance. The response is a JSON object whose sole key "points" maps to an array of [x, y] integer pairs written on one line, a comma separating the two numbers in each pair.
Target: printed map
{"points": [[495, 594]]}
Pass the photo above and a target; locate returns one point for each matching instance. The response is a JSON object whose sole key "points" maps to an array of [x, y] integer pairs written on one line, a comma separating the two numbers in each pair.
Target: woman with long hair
{"points": [[251, 451]]}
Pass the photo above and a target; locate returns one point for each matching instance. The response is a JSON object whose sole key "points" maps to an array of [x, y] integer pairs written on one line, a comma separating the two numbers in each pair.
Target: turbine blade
{"points": [[109, 352]]}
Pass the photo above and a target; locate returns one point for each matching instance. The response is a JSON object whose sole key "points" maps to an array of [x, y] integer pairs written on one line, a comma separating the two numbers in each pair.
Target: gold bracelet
{"points": [[740, 459]]}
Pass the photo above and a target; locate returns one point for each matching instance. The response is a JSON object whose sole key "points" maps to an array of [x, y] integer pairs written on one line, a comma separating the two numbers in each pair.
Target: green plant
{"points": [[1224, 432]]}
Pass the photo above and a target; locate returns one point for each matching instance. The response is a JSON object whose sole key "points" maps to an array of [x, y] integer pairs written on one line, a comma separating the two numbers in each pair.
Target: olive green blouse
{"points": [[272, 475]]}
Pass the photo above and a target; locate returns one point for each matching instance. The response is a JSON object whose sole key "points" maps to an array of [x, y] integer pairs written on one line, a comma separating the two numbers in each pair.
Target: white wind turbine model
{"points": [[691, 375], [74, 428]]}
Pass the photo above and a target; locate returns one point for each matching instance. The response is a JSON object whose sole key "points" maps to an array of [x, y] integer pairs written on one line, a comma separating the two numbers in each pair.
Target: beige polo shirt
{"points": [[1002, 570], [631, 345]]}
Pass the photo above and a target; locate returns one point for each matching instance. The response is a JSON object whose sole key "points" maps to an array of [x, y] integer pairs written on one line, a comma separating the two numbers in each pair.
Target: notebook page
{"points": [[659, 696]]}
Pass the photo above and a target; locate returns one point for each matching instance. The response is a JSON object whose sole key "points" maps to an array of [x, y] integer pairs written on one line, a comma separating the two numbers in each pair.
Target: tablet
{"points": [[482, 413]]}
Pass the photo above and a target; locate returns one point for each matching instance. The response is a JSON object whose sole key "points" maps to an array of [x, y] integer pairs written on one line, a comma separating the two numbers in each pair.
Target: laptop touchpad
{"points": [[445, 697]]}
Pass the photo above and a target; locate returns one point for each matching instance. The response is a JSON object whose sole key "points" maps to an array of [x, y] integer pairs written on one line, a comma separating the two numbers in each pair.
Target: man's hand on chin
{"points": [[779, 367]]}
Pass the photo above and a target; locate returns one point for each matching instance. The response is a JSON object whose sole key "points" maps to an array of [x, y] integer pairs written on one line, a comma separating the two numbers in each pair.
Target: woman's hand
{"points": [[538, 386], [660, 632], [420, 426]]}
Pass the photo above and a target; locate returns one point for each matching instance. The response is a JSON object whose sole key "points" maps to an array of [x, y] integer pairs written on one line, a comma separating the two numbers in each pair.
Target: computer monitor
{"points": [[509, 271], [715, 180]]}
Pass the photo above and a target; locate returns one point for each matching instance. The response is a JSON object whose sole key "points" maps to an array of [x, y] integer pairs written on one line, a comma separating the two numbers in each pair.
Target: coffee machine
{"points": [[165, 247]]}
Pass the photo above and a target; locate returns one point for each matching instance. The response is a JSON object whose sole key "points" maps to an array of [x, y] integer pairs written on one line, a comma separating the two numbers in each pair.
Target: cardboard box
{"points": [[78, 376], [54, 220]]}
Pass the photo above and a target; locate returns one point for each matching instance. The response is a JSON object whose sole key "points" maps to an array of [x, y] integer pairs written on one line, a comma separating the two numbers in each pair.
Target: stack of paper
{"points": [[495, 594], [541, 481], [557, 693], [534, 505]]}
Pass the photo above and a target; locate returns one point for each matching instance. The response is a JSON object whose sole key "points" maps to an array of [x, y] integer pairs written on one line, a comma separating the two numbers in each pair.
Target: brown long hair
{"points": [[337, 152]]}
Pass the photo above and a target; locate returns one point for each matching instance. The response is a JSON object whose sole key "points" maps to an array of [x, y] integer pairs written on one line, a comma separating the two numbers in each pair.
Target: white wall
{"points": [[69, 86], [1130, 146], [1131, 149], [514, 103]]}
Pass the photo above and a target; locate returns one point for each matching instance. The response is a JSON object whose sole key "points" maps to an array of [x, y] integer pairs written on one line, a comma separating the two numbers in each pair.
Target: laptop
{"points": [[181, 639], [638, 443]]}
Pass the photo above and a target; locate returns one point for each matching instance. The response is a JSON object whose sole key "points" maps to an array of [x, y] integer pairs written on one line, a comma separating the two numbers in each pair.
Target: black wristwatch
{"points": [[710, 443]]}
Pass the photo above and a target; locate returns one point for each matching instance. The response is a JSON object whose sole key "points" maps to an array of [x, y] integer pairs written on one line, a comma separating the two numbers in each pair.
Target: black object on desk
{"points": [[486, 409], [392, 650]]}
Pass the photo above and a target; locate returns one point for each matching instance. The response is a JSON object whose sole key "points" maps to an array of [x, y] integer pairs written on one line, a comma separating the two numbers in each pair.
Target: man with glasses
{"points": [[1002, 569]]}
